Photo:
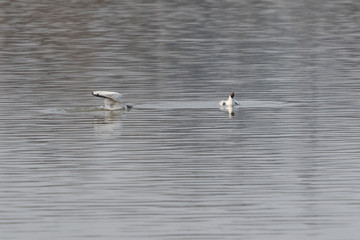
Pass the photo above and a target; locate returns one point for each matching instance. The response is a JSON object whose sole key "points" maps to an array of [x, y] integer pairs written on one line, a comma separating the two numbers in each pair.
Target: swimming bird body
{"points": [[230, 102], [112, 100]]}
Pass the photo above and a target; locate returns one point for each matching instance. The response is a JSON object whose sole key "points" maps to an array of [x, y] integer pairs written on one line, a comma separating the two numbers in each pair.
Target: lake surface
{"points": [[285, 164]]}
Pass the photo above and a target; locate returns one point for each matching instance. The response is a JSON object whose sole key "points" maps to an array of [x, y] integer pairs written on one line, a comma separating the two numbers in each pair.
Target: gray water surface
{"points": [[285, 164]]}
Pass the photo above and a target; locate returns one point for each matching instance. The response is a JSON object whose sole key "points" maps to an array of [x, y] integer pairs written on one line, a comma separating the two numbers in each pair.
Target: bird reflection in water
{"points": [[230, 110], [109, 123]]}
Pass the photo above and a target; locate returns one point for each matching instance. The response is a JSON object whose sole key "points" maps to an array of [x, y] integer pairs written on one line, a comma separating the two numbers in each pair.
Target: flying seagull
{"points": [[112, 100]]}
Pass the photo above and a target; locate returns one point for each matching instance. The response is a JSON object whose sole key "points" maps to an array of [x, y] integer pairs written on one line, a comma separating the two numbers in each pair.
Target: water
{"points": [[283, 165]]}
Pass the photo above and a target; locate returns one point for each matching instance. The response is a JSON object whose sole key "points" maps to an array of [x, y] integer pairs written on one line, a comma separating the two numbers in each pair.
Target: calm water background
{"points": [[285, 166]]}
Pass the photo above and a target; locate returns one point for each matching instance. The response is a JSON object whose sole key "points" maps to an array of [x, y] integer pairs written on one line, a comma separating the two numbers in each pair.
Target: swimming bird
{"points": [[230, 102], [112, 100]]}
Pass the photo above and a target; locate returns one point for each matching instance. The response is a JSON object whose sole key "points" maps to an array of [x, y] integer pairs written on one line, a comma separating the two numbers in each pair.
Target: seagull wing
{"points": [[115, 96]]}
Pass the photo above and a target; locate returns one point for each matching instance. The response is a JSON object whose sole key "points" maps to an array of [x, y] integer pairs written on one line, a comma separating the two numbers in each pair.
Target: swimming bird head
{"points": [[232, 94]]}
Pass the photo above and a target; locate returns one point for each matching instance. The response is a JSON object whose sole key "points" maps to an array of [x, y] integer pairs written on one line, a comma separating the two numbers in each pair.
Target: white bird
{"points": [[112, 100], [230, 102]]}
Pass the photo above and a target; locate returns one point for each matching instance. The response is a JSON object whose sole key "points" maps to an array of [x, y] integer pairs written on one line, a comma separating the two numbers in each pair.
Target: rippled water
{"points": [[285, 164]]}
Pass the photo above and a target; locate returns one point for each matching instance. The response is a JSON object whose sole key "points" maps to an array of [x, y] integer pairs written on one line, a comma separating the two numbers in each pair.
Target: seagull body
{"points": [[230, 102], [112, 100]]}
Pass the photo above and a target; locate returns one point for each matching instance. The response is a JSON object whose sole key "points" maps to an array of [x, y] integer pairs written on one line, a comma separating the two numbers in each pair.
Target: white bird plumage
{"points": [[111, 100], [230, 102]]}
